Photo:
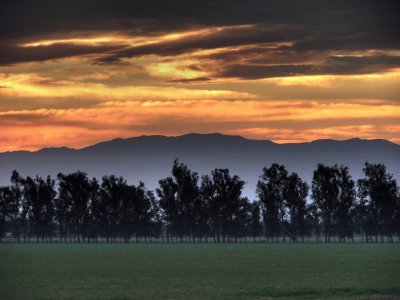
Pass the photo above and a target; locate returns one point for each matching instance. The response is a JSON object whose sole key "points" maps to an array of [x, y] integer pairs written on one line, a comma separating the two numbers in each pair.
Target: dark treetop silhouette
{"points": [[79, 209]]}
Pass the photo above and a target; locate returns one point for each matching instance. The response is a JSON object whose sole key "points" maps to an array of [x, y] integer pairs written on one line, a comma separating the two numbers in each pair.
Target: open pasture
{"points": [[199, 271]]}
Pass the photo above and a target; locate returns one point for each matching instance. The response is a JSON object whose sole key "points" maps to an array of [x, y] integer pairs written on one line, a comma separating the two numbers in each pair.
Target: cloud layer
{"points": [[284, 70]]}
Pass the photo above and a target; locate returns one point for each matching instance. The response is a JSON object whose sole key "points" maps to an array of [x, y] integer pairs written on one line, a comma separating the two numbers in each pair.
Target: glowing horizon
{"points": [[82, 81]]}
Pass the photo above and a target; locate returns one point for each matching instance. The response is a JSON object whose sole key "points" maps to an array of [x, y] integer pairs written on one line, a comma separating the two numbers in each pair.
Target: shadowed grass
{"points": [[199, 271]]}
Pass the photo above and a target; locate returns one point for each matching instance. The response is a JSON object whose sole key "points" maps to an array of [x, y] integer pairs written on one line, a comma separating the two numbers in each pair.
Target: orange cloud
{"points": [[32, 85], [121, 38], [80, 100], [281, 121]]}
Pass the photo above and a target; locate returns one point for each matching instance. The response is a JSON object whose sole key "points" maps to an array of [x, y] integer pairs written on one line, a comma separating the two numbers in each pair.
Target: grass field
{"points": [[199, 271]]}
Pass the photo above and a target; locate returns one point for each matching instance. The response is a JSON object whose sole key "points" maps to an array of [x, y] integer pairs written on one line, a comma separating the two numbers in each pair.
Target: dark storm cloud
{"points": [[26, 17], [224, 38], [313, 27], [359, 65], [333, 65], [351, 40], [191, 80], [258, 72]]}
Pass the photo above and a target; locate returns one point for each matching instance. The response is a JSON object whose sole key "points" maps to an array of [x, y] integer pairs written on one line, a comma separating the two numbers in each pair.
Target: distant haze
{"points": [[149, 158]]}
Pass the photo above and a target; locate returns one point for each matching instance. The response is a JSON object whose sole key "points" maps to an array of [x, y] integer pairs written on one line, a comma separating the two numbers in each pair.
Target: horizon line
{"points": [[199, 134]]}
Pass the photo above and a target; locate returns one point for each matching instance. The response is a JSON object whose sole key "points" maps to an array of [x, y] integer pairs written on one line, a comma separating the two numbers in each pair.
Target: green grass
{"points": [[199, 271]]}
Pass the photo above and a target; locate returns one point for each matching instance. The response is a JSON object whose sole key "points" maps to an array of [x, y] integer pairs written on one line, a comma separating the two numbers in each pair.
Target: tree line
{"points": [[187, 208]]}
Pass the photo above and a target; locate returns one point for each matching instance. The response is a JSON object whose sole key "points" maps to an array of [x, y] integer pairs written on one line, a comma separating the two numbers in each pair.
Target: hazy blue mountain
{"points": [[149, 158]]}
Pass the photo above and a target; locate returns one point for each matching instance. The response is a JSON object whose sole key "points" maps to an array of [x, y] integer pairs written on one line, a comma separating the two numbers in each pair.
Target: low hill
{"points": [[149, 158]]}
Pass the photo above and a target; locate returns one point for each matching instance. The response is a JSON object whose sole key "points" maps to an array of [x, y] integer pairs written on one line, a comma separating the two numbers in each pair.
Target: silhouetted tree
{"points": [[116, 211], [136, 213], [379, 191], [178, 197], [270, 191], [5, 208], [156, 223], [397, 216], [345, 211], [363, 218], [255, 221], [210, 211], [127, 215], [94, 225], [242, 219], [142, 209], [63, 206], [325, 193], [227, 206], [201, 215], [39, 194], [75, 189], [63, 216], [112, 192], [295, 194], [16, 205], [314, 221], [333, 191], [169, 205]]}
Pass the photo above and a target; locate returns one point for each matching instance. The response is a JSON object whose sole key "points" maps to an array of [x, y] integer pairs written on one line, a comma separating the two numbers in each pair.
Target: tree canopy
{"points": [[185, 207]]}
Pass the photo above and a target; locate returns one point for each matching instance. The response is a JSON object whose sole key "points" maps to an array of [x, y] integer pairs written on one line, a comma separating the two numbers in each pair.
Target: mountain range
{"points": [[149, 158]]}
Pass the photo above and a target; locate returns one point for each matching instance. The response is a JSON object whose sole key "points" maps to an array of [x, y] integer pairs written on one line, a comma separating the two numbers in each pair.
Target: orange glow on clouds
{"points": [[118, 38], [281, 121], [31, 85], [76, 101]]}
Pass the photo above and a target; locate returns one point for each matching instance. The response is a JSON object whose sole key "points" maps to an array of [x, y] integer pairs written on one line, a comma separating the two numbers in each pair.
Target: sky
{"points": [[75, 72]]}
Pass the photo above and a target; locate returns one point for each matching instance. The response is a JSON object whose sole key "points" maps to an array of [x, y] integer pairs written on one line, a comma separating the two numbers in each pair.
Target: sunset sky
{"points": [[73, 73]]}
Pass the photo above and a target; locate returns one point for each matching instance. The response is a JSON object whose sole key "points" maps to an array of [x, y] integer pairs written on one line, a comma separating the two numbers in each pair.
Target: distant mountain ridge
{"points": [[149, 158]]}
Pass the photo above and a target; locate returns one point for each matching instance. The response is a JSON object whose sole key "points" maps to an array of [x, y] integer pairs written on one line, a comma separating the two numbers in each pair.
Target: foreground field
{"points": [[199, 271]]}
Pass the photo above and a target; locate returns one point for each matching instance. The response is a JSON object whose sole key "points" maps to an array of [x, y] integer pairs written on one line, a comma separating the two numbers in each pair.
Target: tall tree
{"points": [[397, 216], [94, 216], [242, 219], [137, 212], [325, 193], [39, 195], [363, 218], [6, 200], [345, 211], [314, 221], [169, 205], [333, 192], [64, 208], [16, 205], [210, 212], [178, 197], [75, 190], [201, 215], [227, 207], [255, 221], [295, 194], [380, 191], [63, 215], [270, 191], [112, 192], [156, 223]]}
